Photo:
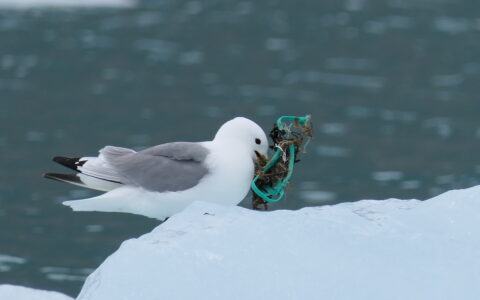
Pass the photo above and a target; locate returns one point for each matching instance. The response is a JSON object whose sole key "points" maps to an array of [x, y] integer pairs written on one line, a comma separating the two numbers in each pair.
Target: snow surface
{"points": [[20, 4], [15, 292], [391, 249]]}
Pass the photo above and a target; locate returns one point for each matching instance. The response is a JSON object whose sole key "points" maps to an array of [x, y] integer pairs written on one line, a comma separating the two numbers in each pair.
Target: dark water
{"points": [[392, 87]]}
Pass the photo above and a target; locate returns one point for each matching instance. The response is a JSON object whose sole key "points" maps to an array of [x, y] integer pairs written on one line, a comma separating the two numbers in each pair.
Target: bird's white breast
{"points": [[231, 172]]}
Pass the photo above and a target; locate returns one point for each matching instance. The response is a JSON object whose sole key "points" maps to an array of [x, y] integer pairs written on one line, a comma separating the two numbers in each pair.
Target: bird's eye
{"points": [[258, 141]]}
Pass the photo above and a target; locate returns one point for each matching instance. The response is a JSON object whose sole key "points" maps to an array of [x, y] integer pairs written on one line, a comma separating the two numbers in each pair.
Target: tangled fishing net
{"points": [[290, 136]]}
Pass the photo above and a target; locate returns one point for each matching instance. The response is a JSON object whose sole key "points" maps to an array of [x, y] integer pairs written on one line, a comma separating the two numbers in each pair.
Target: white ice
{"points": [[390, 249], [14, 292]]}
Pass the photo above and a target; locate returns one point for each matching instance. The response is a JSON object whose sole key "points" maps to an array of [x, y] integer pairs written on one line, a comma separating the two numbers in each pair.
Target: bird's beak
{"points": [[260, 156]]}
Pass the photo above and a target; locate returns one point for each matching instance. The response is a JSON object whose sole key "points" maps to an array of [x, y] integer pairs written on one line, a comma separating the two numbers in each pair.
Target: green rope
{"points": [[276, 192]]}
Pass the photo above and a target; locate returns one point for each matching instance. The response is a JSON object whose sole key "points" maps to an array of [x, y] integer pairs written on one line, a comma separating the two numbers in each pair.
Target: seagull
{"points": [[160, 181]]}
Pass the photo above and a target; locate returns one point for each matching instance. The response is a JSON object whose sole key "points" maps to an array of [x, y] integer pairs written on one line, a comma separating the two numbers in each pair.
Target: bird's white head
{"points": [[245, 131]]}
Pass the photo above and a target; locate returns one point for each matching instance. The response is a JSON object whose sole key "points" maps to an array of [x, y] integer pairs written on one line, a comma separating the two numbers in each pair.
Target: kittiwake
{"points": [[160, 181]]}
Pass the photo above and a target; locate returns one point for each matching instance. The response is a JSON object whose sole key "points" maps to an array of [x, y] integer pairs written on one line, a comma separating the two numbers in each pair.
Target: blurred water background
{"points": [[392, 87]]}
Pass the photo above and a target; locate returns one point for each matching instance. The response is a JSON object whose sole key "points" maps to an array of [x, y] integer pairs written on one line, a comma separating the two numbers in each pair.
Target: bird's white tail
{"points": [[123, 199]]}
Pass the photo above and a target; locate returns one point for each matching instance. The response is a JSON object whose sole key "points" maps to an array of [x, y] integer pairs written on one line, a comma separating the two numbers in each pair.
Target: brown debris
{"points": [[297, 135]]}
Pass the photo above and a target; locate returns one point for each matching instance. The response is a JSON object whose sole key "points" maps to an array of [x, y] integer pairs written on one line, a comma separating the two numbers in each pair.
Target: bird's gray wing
{"points": [[168, 167]]}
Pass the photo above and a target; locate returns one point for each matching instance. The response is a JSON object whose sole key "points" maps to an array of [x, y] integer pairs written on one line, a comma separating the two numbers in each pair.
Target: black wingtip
{"points": [[51, 176], [71, 163], [73, 178]]}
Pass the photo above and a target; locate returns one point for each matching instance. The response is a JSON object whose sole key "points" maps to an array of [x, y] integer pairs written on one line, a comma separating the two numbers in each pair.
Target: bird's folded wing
{"points": [[168, 167]]}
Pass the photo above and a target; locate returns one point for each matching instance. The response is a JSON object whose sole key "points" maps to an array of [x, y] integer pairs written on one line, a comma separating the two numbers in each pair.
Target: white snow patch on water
{"points": [[387, 175], [317, 196], [6, 262], [13, 292]]}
